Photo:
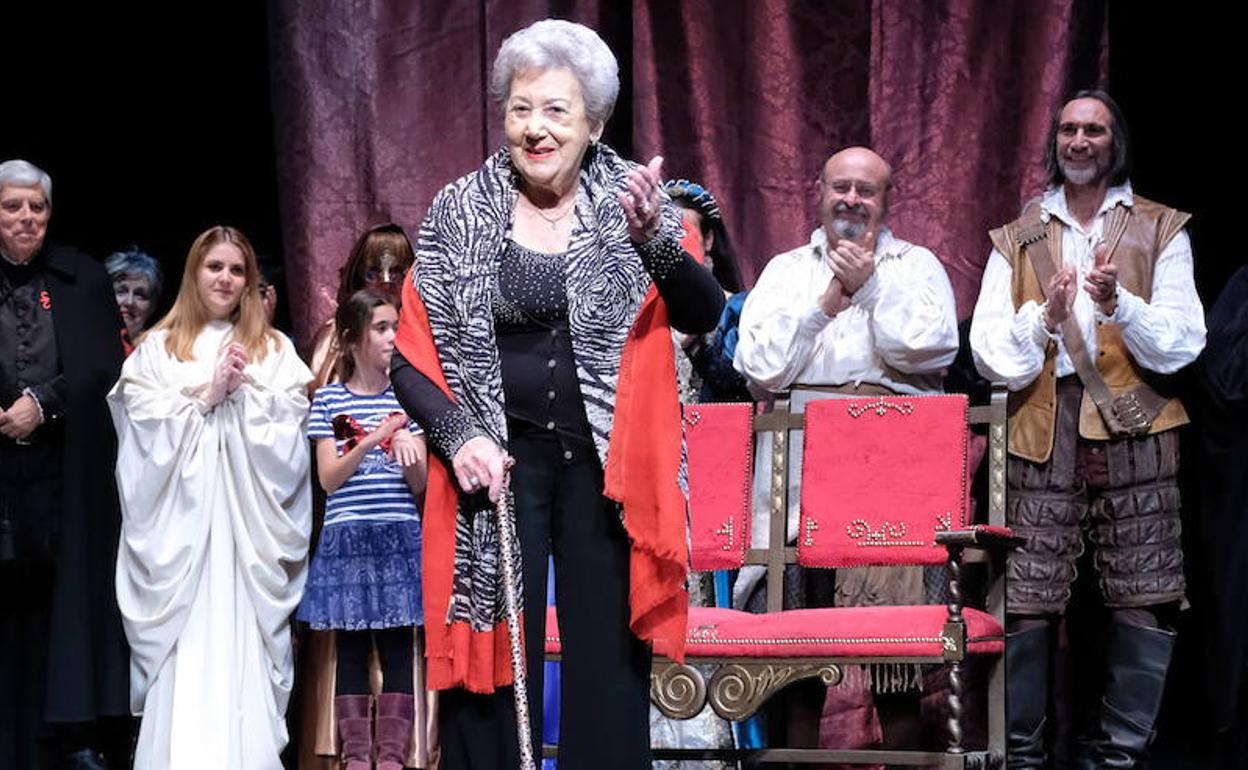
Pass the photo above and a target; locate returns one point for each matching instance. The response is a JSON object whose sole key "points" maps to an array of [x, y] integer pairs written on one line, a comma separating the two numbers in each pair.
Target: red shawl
{"points": [[643, 462]]}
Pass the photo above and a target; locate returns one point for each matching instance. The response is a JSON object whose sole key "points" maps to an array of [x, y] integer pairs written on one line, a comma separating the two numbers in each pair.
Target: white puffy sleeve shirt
{"points": [[903, 317], [1163, 334]]}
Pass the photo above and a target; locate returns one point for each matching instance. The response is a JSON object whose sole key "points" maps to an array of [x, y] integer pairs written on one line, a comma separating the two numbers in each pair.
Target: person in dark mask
{"points": [[380, 258]]}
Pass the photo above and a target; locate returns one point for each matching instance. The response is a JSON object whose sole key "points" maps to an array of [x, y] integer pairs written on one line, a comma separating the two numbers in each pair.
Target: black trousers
{"points": [[394, 655], [30, 488], [605, 680]]}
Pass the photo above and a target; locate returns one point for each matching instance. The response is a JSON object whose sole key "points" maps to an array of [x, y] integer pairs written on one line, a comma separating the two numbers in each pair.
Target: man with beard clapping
{"points": [[854, 312]]}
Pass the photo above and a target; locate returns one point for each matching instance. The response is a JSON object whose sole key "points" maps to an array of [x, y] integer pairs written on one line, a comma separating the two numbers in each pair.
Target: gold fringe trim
{"points": [[883, 678]]}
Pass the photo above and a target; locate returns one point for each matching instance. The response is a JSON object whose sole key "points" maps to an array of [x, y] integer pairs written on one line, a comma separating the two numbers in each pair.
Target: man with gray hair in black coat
{"points": [[63, 657]]}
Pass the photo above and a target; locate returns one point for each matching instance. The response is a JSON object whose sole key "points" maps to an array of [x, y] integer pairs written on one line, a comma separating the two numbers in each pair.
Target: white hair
{"points": [[552, 44], [135, 262], [19, 173]]}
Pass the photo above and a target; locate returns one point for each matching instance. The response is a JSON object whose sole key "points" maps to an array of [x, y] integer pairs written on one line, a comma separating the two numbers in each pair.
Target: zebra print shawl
{"points": [[455, 276]]}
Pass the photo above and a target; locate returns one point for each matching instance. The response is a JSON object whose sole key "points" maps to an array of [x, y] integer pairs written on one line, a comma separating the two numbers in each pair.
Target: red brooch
{"points": [[45, 300], [346, 427]]}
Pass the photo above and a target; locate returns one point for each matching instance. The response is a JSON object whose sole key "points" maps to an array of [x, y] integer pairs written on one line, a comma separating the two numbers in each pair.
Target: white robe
{"points": [[216, 518]]}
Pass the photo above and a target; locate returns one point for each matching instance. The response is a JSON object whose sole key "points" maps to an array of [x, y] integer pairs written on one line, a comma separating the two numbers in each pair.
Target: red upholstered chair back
{"points": [[720, 442], [880, 477]]}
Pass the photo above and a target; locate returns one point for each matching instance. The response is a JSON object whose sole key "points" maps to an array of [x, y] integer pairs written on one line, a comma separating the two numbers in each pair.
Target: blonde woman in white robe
{"points": [[213, 472]]}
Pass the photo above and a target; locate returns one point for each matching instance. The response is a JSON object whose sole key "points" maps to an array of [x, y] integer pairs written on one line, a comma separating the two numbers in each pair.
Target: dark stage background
{"points": [[304, 122]]}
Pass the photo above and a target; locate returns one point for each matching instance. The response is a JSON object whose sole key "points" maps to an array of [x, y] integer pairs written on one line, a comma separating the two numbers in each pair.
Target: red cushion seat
{"points": [[910, 631]]}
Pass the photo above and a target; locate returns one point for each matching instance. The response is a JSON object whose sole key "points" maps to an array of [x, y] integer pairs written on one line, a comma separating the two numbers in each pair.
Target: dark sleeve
{"points": [[962, 376], [692, 295], [712, 354], [51, 397], [1225, 358], [447, 427], [720, 382], [92, 353]]}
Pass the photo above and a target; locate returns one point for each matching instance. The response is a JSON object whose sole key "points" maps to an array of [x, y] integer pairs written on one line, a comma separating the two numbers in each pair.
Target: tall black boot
{"points": [[1028, 664], [75, 743], [1136, 660], [117, 740], [82, 759]]}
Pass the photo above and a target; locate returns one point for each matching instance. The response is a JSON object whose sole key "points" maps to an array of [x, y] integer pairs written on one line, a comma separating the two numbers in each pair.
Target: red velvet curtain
{"points": [[962, 93], [748, 99], [379, 104]]}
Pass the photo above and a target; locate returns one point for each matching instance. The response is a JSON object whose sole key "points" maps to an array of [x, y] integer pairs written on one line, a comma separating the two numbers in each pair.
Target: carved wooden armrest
{"points": [[980, 536]]}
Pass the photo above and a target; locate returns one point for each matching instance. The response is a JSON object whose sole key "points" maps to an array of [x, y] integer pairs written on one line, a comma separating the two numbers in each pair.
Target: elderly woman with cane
{"points": [[535, 347]]}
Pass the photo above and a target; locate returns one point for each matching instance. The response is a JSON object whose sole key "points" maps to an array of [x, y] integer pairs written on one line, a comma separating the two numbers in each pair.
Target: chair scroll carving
{"points": [[738, 690], [883, 481]]}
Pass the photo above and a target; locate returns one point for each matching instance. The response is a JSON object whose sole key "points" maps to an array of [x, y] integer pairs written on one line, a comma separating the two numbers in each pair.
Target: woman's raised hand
{"points": [[642, 200], [227, 375]]}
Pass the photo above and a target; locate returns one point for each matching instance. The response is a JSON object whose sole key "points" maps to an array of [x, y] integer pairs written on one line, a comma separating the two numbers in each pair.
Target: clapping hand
{"points": [[1061, 298], [1101, 282], [833, 300], [237, 355], [404, 449], [391, 426], [852, 264], [227, 375]]}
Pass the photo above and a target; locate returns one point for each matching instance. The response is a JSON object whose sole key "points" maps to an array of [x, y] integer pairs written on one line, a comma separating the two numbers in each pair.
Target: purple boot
{"points": [[395, 712], [355, 731]]}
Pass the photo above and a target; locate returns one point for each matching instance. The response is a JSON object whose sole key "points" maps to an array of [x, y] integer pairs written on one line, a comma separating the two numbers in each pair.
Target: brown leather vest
{"points": [[1135, 235]]}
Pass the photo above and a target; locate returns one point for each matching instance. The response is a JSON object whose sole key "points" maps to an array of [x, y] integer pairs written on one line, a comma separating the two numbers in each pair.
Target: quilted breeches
{"points": [[1121, 497]]}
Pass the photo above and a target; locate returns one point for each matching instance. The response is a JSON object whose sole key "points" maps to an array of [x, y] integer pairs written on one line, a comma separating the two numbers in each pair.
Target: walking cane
{"points": [[511, 575]]}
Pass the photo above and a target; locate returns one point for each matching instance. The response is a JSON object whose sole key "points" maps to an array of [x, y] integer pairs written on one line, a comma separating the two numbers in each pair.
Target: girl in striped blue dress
{"points": [[364, 581]]}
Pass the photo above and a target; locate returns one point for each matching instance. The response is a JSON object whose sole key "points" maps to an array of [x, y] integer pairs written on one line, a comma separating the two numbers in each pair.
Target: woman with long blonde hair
{"points": [[212, 469]]}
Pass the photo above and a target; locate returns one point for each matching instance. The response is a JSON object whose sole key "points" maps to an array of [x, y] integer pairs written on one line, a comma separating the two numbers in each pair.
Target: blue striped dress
{"points": [[366, 570]]}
